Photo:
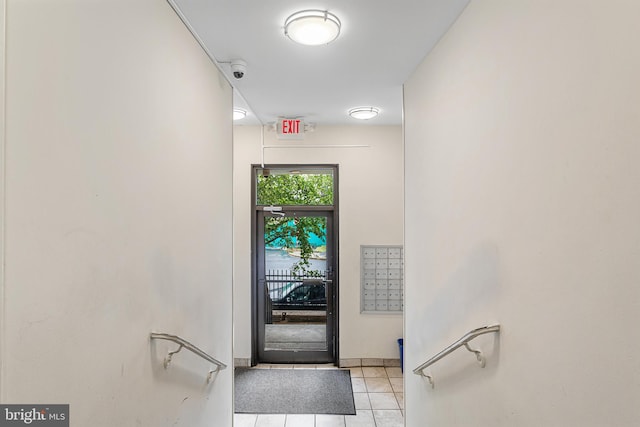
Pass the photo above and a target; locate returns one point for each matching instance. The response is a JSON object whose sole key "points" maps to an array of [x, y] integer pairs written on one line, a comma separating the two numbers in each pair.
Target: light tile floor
{"points": [[377, 393]]}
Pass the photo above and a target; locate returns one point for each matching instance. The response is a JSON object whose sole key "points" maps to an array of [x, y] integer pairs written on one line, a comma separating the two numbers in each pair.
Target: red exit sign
{"points": [[290, 128]]}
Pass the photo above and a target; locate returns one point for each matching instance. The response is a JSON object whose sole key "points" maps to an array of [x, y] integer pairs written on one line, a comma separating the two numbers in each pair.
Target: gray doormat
{"points": [[293, 391]]}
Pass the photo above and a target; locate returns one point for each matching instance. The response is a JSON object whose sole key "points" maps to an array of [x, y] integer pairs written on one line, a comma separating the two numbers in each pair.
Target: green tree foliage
{"points": [[295, 189], [295, 232]]}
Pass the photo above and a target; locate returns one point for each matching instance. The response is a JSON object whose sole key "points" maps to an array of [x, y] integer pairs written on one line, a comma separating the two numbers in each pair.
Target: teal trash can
{"points": [[401, 344]]}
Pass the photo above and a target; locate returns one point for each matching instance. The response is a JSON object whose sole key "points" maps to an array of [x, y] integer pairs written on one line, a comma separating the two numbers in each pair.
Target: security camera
{"points": [[238, 68]]}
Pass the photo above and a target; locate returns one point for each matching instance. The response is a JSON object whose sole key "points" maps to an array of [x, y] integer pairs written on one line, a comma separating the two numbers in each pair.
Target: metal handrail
{"points": [[186, 344], [464, 341]]}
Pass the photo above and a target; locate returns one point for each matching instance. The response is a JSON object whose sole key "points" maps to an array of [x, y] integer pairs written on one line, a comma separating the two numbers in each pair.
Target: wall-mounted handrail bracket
{"points": [[167, 360], [428, 377], [481, 359], [186, 344], [210, 374], [464, 341]]}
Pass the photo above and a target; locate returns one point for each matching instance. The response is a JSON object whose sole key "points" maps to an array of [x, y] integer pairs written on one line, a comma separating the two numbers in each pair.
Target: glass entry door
{"points": [[295, 285]]}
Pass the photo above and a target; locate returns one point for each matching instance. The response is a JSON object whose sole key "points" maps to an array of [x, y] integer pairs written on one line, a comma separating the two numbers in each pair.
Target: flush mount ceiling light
{"points": [[364, 113], [312, 27], [239, 113]]}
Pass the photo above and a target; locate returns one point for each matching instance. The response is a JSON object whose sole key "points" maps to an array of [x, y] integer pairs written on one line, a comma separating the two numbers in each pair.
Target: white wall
{"points": [[370, 203], [118, 214], [522, 206], [2, 187]]}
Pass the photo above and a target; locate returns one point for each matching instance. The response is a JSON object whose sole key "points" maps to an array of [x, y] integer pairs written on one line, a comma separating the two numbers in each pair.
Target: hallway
{"points": [[378, 395], [511, 183]]}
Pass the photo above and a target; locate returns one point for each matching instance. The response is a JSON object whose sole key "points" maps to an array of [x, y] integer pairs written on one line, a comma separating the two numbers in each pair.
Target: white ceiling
{"points": [[380, 44]]}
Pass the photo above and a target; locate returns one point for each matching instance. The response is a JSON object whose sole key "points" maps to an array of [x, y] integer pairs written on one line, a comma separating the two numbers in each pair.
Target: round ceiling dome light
{"points": [[239, 114], [364, 113], [312, 27]]}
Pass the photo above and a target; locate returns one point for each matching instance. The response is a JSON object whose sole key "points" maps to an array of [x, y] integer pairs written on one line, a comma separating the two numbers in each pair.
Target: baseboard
{"points": [[352, 363], [344, 363], [240, 362]]}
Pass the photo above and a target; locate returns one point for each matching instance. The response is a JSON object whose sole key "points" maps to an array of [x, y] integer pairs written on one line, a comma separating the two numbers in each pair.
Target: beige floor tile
{"points": [[270, 420], [383, 401], [330, 420], [356, 372], [244, 420], [358, 385], [392, 418], [394, 372], [374, 372], [362, 400], [298, 420], [397, 384], [400, 399], [378, 385], [363, 418]]}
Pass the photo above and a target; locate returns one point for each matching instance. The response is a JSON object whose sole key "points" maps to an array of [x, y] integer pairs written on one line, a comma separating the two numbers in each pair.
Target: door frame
{"points": [[295, 356], [334, 213]]}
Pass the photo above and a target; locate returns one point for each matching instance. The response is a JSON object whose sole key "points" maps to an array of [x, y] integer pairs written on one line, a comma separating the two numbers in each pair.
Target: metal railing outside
{"points": [[280, 281]]}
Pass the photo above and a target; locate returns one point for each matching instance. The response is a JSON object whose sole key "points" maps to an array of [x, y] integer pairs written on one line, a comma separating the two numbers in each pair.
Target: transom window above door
{"points": [[296, 186]]}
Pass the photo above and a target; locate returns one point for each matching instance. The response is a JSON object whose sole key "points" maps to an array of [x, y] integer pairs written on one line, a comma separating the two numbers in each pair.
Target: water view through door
{"points": [[295, 281]]}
